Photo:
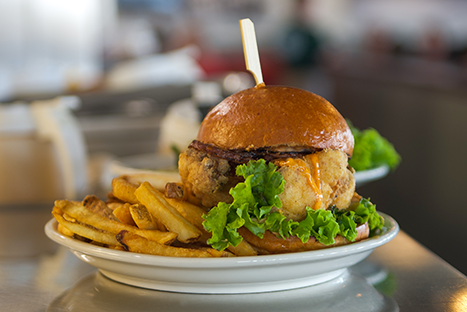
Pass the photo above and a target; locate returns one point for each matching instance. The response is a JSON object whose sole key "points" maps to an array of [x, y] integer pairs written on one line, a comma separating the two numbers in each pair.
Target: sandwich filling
{"points": [[317, 180]]}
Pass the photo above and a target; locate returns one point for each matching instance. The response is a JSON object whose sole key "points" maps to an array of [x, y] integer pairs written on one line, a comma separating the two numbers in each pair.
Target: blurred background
{"points": [[91, 88]]}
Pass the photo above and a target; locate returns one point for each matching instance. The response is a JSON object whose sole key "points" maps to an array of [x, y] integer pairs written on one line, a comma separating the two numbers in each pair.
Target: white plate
{"points": [[225, 275], [365, 176]]}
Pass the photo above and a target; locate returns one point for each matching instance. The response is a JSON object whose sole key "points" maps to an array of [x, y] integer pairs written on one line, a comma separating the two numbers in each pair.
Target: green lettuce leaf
{"points": [[371, 150], [253, 201], [346, 221], [264, 183], [223, 232], [318, 223], [365, 211], [252, 207]]}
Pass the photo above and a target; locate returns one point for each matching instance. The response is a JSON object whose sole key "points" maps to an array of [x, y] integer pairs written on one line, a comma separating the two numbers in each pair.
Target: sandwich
{"points": [[271, 166]]}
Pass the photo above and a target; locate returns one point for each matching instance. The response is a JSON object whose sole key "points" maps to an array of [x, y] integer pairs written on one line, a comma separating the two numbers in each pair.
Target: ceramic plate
{"points": [[365, 176], [225, 275]]}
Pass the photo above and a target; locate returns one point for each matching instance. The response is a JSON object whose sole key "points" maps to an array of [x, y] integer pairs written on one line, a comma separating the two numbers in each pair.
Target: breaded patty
{"points": [[206, 177], [209, 179], [337, 185]]}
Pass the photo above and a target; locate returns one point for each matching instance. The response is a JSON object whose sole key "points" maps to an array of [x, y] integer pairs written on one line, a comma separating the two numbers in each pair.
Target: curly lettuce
{"points": [[365, 211], [252, 207], [371, 150]]}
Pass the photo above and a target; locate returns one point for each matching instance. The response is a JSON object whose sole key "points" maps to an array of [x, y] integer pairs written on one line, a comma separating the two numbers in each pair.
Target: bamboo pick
{"points": [[250, 50]]}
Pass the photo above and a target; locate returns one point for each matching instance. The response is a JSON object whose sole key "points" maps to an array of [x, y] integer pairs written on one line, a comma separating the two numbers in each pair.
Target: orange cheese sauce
{"points": [[314, 181]]}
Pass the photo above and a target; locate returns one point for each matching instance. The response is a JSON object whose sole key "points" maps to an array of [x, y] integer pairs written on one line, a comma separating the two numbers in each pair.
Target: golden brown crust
{"points": [[275, 116], [271, 244]]}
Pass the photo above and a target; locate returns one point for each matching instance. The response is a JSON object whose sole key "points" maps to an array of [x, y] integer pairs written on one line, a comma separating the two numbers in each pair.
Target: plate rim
{"points": [[372, 174], [227, 262]]}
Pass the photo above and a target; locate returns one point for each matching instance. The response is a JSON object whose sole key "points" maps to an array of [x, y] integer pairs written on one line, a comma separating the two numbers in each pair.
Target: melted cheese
{"points": [[314, 181]]}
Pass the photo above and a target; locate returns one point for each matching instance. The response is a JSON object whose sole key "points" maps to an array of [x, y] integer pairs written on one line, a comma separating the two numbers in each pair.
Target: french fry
{"points": [[115, 205], [119, 247], [87, 231], [63, 230], [203, 239], [112, 199], [174, 190], [136, 214], [82, 215], [193, 213], [217, 253], [124, 186], [97, 206], [136, 243], [67, 217], [164, 212], [83, 239], [243, 249], [142, 217], [124, 190], [159, 224], [122, 213], [157, 179]]}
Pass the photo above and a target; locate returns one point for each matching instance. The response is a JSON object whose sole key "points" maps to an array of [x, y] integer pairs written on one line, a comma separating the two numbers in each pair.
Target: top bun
{"points": [[276, 117]]}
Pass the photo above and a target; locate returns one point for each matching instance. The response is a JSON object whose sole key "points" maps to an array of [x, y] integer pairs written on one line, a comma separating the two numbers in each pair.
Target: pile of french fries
{"points": [[138, 217]]}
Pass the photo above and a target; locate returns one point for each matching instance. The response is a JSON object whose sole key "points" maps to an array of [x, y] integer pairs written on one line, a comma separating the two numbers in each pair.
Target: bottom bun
{"points": [[271, 244]]}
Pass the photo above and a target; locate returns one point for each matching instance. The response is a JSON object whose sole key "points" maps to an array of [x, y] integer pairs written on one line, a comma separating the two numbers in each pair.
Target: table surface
{"points": [[399, 276]]}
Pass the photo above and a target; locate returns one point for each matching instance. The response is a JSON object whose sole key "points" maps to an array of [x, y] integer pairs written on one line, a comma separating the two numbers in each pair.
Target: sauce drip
{"points": [[317, 179], [314, 181]]}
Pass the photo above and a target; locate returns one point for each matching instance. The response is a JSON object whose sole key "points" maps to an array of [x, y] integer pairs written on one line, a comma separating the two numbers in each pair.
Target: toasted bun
{"points": [[271, 244], [276, 116]]}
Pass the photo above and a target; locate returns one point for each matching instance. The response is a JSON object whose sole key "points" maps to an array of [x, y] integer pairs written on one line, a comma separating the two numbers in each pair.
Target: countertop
{"points": [[402, 275]]}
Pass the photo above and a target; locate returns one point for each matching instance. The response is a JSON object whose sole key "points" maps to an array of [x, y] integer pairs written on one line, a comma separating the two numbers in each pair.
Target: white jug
{"points": [[42, 152]]}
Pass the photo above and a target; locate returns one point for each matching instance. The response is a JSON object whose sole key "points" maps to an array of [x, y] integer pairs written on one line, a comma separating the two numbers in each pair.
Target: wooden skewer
{"points": [[250, 50]]}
